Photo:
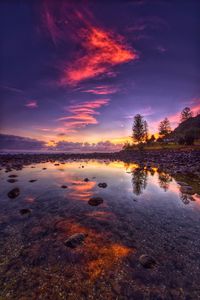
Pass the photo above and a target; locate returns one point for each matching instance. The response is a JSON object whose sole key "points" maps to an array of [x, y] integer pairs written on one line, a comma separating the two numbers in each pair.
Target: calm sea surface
{"points": [[143, 212]]}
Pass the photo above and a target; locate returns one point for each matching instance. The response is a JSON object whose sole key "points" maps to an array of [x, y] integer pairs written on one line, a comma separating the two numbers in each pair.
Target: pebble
{"points": [[102, 185], [63, 186], [147, 261], [25, 211], [75, 240], [14, 193], [95, 201]]}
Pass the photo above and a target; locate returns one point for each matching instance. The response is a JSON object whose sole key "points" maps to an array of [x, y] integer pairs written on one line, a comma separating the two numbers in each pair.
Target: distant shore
{"points": [[172, 161]]}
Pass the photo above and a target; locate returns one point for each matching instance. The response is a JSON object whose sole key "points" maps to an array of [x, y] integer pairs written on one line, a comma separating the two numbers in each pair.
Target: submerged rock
{"points": [[102, 185], [14, 193], [63, 186], [95, 201], [147, 261], [12, 176], [32, 180], [25, 211], [12, 180], [75, 240]]}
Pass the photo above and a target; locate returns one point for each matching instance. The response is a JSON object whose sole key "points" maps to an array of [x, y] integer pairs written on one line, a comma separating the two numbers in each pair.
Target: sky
{"points": [[76, 72]]}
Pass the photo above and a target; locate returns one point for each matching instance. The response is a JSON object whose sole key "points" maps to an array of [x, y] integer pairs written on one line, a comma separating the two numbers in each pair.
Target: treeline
{"points": [[141, 136]]}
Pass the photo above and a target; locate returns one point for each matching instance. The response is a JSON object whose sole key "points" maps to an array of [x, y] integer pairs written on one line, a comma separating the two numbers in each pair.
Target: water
{"points": [[143, 212]]}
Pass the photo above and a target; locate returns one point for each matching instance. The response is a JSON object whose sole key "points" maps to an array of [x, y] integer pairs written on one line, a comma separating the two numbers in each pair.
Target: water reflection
{"points": [[118, 232], [139, 180], [164, 180]]}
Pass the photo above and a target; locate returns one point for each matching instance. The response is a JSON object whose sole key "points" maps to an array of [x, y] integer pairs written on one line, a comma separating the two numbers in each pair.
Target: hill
{"points": [[190, 126]]}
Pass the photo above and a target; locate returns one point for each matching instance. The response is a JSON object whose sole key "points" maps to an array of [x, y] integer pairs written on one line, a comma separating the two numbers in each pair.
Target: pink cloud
{"points": [[31, 104], [102, 90], [82, 114], [101, 49]]}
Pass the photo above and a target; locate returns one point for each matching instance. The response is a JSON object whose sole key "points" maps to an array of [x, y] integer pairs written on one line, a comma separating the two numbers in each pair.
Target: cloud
{"points": [[82, 114], [12, 142], [99, 49], [103, 50], [103, 146], [11, 89], [31, 104], [102, 90]]}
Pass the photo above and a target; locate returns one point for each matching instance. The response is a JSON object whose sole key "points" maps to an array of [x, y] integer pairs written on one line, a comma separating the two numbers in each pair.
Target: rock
{"points": [[56, 164], [75, 240], [12, 176], [186, 189], [86, 179], [14, 193], [102, 185], [44, 168], [32, 180], [25, 211], [63, 186], [147, 261], [95, 201], [12, 180]]}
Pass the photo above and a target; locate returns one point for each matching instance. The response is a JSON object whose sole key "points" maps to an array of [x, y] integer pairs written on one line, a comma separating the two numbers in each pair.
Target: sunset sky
{"points": [[78, 71]]}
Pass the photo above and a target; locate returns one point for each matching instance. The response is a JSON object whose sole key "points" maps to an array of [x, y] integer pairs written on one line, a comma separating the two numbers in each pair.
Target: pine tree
{"points": [[139, 129], [186, 114], [164, 127]]}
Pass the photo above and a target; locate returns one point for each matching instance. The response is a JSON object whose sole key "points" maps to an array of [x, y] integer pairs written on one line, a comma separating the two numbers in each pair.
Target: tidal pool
{"points": [[143, 212]]}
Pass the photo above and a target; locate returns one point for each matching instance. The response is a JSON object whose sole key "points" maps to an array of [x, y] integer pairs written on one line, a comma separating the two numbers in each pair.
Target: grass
{"points": [[167, 146]]}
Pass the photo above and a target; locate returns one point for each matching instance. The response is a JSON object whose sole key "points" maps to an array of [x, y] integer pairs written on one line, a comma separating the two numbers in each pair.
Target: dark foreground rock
{"points": [[64, 186], [147, 261], [25, 211], [102, 185], [95, 201], [14, 193], [75, 240], [12, 180]]}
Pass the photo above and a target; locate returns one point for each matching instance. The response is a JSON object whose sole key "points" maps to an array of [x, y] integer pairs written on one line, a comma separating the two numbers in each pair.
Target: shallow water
{"points": [[143, 212]]}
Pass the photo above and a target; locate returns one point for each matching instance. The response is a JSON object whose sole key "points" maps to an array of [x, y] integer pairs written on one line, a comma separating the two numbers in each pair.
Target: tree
{"points": [[164, 127], [152, 139], [146, 131], [186, 114], [139, 129]]}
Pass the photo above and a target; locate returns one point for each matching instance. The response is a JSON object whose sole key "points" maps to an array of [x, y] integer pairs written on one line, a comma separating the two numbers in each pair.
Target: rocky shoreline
{"points": [[171, 161]]}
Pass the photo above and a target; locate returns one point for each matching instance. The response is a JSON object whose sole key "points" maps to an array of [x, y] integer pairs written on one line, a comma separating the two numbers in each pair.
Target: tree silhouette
{"points": [[164, 127], [186, 114], [140, 129], [146, 131]]}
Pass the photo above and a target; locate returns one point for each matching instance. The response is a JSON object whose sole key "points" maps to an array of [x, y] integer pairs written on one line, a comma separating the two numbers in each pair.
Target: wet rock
{"points": [[14, 193], [56, 164], [32, 180], [147, 261], [25, 211], [75, 240], [102, 185], [86, 179], [186, 189], [44, 168], [64, 186], [12, 176], [95, 201], [12, 180]]}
